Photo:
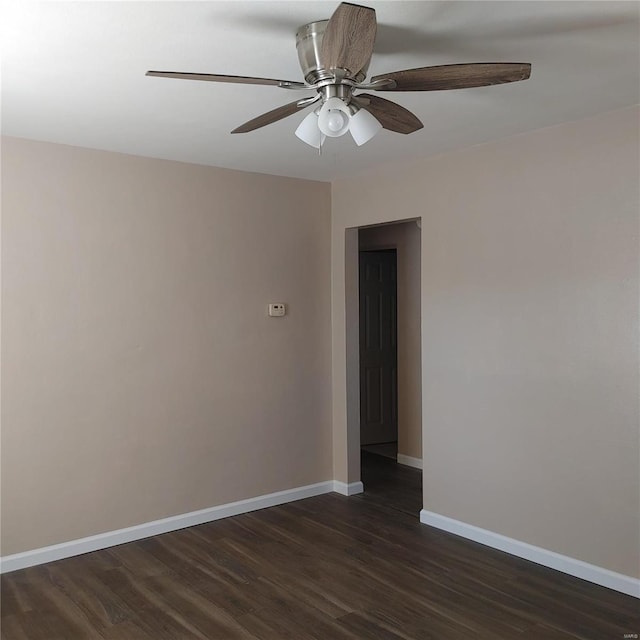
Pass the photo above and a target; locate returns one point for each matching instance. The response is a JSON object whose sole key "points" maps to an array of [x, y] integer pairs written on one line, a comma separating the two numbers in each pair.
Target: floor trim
{"points": [[350, 489], [551, 559], [408, 461], [157, 527]]}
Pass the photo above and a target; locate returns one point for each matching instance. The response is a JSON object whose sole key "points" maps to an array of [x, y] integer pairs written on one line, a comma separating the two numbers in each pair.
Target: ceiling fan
{"points": [[334, 55]]}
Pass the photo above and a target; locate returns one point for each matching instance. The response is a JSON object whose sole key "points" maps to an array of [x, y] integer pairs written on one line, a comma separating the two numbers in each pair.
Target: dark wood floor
{"points": [[391, 485], [325, 568]]}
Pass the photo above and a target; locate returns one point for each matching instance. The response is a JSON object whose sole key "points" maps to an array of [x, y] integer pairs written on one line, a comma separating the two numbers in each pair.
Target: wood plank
{"points": [[128, 630], [12, 628], [194, 611]]}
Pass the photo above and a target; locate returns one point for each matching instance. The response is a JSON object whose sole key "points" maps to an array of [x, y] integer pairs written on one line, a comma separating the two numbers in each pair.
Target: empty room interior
{"points": [[365, 366]]}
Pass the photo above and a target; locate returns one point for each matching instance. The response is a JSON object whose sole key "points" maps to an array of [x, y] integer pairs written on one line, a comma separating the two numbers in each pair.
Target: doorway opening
{"points": [[390, 364]]}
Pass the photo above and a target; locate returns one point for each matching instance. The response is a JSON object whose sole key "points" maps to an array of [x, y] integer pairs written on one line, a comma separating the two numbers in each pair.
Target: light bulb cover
{"points": [[309, 132], [334, 118], [363, 126]]}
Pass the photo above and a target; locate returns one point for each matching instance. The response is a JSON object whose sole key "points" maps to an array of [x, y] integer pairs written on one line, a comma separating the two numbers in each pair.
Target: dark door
{"points": [[378, 347]]}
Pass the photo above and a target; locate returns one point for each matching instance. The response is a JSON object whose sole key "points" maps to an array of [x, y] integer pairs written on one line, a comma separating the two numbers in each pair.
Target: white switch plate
{"points": [[277, 309]]}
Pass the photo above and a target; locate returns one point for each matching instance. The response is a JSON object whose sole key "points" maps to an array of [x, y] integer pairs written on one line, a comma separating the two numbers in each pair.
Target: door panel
{"points": [[374, 394], [378, 349]]}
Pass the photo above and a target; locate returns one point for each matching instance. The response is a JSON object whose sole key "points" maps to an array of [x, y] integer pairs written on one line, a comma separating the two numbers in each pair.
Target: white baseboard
{"points": [[350, 489], [156, 527], [409, 461], [551, 559]]}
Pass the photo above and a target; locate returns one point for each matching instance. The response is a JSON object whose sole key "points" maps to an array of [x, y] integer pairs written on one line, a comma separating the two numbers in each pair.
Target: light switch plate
{"points": [[277, 309]]}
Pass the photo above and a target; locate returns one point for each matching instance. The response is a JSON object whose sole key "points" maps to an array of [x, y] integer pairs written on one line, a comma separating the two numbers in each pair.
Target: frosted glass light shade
{"points": [[308, 131], [363, 127], [334, 118]]}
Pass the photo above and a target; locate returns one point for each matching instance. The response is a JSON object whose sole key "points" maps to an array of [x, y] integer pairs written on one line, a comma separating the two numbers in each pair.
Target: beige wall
{"points": [[142, 377], [529, 332], [405, 238]]}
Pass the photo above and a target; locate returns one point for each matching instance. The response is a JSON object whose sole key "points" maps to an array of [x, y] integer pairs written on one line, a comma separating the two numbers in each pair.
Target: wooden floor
{"points": [[391, 485], [325, 568]]}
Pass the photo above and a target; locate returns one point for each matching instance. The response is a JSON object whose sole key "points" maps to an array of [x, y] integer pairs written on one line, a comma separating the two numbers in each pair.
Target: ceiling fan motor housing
{"points": [[309, 46]]}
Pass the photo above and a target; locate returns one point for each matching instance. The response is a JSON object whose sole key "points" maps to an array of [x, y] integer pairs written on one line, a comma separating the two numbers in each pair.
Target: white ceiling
{"points": [[73, 73]]}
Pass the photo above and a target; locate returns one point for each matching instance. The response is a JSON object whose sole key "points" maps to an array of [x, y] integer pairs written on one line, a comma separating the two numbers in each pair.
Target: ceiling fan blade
{"points": [[212, 77], [455, 76], [391, 116], [272, 116], [349, 37]]}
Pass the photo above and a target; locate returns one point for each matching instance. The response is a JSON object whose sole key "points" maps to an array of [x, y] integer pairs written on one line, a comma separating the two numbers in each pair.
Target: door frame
{"points": [[346, 356]]}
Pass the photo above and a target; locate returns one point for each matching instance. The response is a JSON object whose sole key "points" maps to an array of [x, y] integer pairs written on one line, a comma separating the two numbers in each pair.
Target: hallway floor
{"points": [[387, 449], [391, 485]]}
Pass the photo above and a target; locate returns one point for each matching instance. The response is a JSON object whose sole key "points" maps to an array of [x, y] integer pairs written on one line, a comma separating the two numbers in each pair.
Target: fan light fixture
{"points": [[333, 120], [363, 126], [309, 132], [334, 57]]}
